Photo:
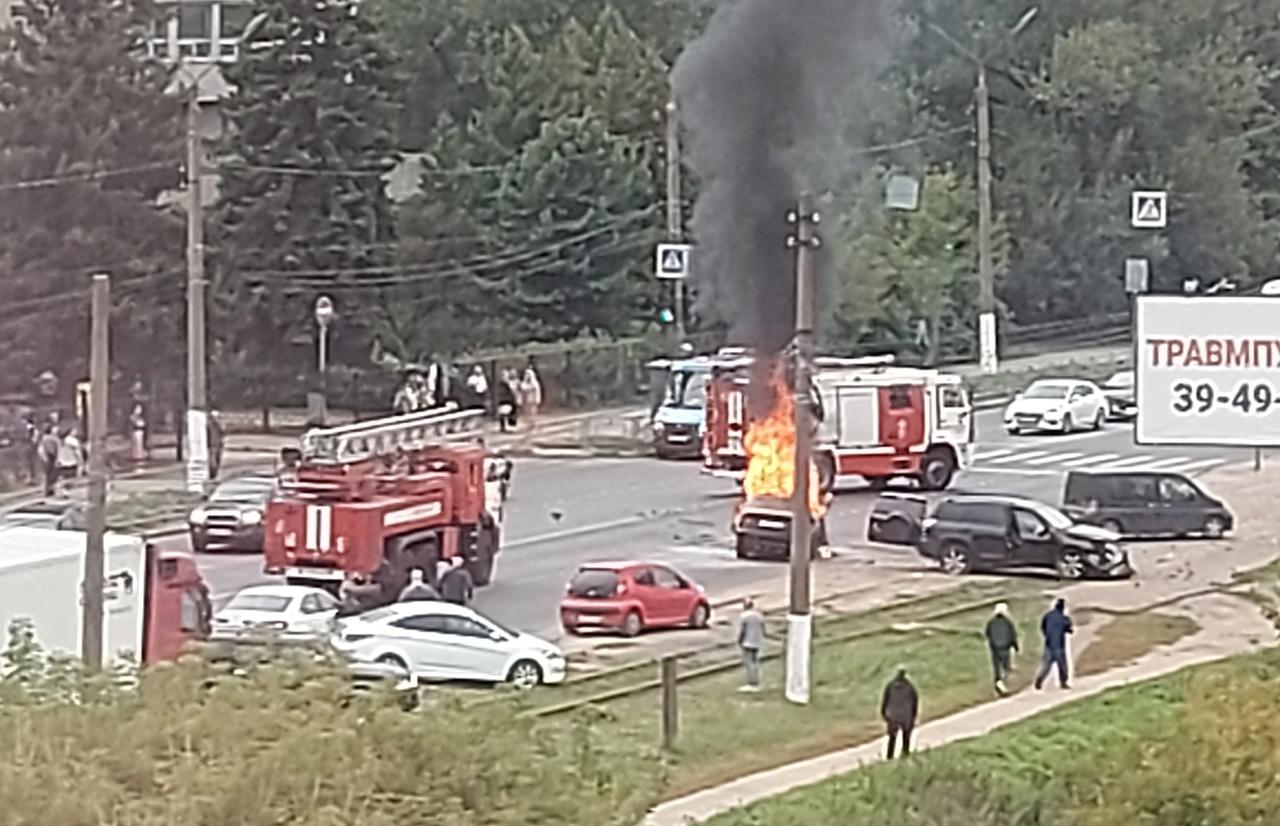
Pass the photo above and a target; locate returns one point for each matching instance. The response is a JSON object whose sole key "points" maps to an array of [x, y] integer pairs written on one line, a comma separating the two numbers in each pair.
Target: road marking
{"points": [[990, 454], [1054, 457], [1008, 471], [1018, 457], [1162, 464], [1127, 463], [1089, 460], [1199, 466]]}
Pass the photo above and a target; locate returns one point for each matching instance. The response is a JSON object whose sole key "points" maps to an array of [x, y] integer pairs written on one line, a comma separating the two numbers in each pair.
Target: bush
{"points": [[288, 742]]}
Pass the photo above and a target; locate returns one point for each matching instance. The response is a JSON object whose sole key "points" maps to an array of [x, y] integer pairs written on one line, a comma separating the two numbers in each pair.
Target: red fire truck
{"points": [[879, 422], [382, 497]]}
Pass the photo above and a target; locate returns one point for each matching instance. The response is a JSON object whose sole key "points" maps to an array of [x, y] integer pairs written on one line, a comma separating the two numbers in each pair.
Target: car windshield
{"points": [[272, 603], [593, 583], [1047, 390], [1122, 379], [1056, 518], [242, 490], [687, 389]]}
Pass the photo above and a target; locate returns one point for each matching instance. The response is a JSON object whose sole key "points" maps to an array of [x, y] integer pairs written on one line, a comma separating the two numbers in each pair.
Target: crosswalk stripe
{"points": [[1198, 466], [1089, 460], [1019, 457], [1127, 463], [1161, 464], [990, 454], [1055, 457]]}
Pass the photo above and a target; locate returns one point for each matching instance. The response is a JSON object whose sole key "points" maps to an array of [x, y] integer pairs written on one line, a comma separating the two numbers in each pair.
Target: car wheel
{"points": [[955, 558], [700, 616], [1067, 424], [632, 625], [395, 662], [826, 467], [199, 546], [877, 482], [1070, 565], [1113, 525], [1012, 429], [741, 550], [1099, 420], [1214, 527], [525, 674], [936, 470]]}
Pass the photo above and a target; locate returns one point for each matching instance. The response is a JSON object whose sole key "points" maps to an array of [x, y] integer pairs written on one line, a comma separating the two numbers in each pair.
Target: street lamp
{"points": [[324, 315], [197, 381], [986, 268]]}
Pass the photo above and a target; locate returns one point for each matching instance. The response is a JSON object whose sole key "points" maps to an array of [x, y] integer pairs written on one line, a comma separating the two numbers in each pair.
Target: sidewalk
{"points": [[1232, 627]]}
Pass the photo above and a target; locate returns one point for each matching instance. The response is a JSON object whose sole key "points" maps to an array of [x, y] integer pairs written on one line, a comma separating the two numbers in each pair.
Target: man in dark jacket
{"points": [[418, 588], [456, 585], [1002, 640], [899, 707], [1055, 625]]}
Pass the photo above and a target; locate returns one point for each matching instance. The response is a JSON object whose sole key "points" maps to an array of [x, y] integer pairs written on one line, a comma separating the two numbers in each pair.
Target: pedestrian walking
{"points": [[1002, 641], [50, 445], [1055, 625], [417, 589], [217, 444], [479, 387], [900, 706], [456, 585], [751, 643], [31, 448], [530, 393]]}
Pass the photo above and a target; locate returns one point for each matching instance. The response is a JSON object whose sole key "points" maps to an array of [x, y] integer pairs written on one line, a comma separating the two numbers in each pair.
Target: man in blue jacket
{"points": [[1055, 625]]}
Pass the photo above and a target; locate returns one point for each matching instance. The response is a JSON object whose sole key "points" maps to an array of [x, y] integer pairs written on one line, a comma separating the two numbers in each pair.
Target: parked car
{"points": [[57, 516], [896, 518], [1060, 405], [1144, 503], [231, 518], [276, 613], [996, 533], [631, 597], [439, 641], [1122, 401]]}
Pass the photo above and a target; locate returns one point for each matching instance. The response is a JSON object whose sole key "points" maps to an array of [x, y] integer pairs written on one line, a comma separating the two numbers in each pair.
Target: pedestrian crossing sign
{"points": [[1149, 209], [672, 261]]}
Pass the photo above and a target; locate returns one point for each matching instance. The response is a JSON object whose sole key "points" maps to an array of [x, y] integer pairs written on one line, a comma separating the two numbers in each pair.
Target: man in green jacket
{"points": [[1002, 639]]}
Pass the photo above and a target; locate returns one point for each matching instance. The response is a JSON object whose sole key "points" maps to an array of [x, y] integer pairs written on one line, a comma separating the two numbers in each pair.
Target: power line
{"points": [[77, 177]]}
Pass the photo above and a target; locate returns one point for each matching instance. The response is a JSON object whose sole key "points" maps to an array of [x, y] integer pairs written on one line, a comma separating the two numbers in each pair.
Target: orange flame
{"points": [[771, 450]]}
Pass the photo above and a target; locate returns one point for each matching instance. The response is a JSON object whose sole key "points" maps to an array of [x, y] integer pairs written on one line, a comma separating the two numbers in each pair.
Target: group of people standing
{"points": [[900, 701], [515, 396], [453, 584], [55, 453]]}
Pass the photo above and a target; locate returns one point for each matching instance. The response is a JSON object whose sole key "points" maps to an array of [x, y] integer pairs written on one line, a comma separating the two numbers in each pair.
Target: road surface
{"points": [[564, 512]]}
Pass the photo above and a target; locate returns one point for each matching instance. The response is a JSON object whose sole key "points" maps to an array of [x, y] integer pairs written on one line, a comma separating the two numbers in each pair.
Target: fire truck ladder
{"points": [[388, 436]]}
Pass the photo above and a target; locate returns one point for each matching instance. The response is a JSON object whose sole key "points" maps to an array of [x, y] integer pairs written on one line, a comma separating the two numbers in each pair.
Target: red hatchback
{"points": [[630, 597]]}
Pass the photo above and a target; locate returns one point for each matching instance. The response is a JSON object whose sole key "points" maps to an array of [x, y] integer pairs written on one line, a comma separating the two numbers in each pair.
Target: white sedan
{"points": [[276, 613], [1060, 405], [439, 641]]}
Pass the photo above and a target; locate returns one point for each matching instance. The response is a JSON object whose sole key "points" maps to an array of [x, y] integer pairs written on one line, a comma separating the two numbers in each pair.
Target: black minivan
{"points": [[1144, 503]]}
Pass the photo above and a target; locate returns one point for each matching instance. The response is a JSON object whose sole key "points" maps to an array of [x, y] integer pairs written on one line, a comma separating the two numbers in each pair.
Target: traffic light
{"points": [[665, 316]]}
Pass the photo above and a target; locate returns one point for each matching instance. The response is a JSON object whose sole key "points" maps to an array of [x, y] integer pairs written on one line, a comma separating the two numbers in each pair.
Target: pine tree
{"points": [[88, 142], [303, 208]]}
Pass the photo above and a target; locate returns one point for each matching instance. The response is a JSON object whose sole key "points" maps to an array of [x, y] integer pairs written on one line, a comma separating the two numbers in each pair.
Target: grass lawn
{"points": [[725, 733], [1040, 772], [1126, 637], [138, 507]]}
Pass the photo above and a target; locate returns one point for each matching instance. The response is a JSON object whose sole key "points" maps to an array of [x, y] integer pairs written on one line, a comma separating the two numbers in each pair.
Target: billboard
{"points": [[1208, 371]]}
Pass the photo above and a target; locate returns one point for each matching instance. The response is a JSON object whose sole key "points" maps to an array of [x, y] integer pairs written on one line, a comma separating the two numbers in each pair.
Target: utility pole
{"points": [[987, 346], [799, 615], [197, 412], [675, 212], [91, 635]]}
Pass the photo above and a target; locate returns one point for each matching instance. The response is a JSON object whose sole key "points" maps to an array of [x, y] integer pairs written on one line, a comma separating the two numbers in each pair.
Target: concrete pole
{"points": [[799, 616], [675, 215], [197, 413], [91, 634], [987, 342]]}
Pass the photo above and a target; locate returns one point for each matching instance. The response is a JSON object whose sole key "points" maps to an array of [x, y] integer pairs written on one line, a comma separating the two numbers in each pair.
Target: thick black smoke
{"points": [[753, 90]]}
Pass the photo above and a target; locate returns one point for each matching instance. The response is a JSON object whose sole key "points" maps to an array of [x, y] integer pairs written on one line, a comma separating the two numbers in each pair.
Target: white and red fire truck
{"points": [[382, 497], [879, 422]]}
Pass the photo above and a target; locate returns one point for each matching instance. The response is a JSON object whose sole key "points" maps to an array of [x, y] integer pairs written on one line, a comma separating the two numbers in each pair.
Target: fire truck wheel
{"points": [[937, 469], [826, 472], [632, 625], [525, 674]]}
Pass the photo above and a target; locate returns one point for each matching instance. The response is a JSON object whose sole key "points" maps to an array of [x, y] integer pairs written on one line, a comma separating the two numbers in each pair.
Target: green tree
{"points": [[303, 207], [88, 142]]}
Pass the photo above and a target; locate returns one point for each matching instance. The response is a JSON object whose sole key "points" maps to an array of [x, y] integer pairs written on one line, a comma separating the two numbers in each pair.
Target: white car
{"points": [[1060, 405], [276, 613], [439, 641]]}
